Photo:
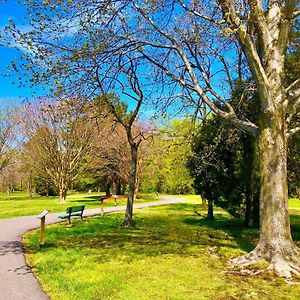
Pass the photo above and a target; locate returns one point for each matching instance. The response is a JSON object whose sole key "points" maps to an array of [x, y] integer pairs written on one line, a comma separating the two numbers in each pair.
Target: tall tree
{"points": [[135, 134], [9, 141], [59, 139], [196, 47]]}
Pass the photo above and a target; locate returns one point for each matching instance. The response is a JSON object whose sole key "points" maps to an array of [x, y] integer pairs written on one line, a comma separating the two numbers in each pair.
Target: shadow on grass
{"points": [[180, 207], [95, 200], [83, 201], [86, 200], [155, 234], [167, 231], [244, 237]]}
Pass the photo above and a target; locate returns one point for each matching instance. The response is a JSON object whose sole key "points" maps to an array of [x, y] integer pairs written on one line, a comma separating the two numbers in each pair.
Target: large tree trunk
{"points": [[132, 183], [275, 244]]}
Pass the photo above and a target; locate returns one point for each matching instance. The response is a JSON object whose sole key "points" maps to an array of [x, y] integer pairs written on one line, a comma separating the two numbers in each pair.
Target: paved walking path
{"points": [[17, 282]]}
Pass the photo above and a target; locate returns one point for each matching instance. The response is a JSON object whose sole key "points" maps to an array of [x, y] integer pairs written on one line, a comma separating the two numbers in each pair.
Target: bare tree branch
{"points": [[292, 131]]}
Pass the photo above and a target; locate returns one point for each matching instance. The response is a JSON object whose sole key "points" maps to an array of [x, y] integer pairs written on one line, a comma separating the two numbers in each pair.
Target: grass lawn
{"points": [[19, 204], [171, 253]]}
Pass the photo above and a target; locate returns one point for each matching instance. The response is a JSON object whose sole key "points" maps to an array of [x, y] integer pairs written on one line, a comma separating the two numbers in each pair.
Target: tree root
{"points": [[285, 268], [127, 223], [284, 262]]}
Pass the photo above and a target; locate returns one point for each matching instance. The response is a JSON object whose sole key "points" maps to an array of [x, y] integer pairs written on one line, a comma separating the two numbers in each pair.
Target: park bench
{"points": [[73, 211]]}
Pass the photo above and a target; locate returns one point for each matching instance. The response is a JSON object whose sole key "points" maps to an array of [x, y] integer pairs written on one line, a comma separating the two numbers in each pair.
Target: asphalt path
{"points": [[17, 282]]}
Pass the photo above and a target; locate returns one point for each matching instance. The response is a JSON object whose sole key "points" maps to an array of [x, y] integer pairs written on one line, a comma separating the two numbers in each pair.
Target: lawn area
{"points": [[19, 204], [171, 253], [294, 203]]}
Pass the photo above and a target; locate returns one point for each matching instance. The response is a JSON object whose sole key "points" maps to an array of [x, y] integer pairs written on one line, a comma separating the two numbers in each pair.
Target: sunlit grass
{"points": [[294, 203], [19, 204], [171, 253]]}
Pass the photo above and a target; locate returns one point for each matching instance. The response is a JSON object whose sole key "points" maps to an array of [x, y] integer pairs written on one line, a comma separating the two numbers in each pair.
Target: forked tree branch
{"points": [[230, 115]]}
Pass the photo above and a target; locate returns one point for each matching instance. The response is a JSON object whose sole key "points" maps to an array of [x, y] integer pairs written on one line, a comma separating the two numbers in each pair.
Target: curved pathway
{"points": [[17, 282]]}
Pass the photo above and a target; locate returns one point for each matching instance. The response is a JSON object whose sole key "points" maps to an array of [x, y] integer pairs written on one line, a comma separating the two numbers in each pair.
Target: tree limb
{"points": [[231, 116], [296, 14], [295, 84], [198, 14], [292, 131], [250, 51], [293, 109]]}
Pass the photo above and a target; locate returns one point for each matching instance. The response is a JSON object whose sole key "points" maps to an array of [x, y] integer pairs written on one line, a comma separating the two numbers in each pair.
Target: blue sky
{"points": [[8, 90]]}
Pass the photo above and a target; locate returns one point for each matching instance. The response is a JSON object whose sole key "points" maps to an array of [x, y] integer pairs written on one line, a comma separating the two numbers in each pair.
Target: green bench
{"points": [[73, 211]]}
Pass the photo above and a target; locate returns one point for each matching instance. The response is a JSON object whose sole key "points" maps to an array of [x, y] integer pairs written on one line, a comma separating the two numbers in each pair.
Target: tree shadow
{"points": [[153, 235], [10, 247], [174, 232], [23, 270], [92, 200], [86, 200], [180, 207], [244, 236]]}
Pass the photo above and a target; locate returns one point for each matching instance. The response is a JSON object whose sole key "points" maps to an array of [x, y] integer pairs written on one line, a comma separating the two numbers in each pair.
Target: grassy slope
{"points": [[170, 254], [19, 204]]}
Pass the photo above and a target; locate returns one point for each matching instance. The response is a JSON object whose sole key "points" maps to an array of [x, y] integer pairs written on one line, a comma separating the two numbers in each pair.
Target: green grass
{"points": [[294, 203], [171, 253], [19, 204]]}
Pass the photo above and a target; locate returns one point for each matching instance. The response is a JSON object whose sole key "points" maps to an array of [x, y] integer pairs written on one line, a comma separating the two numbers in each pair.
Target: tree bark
{"points": [[118, 186], [132, 183], [252, 210], [136, 187], [252, 188], [62, 195], [210, 210], [62, 192], [108, 187], [248, 211], [275, 243], [29, 188]]}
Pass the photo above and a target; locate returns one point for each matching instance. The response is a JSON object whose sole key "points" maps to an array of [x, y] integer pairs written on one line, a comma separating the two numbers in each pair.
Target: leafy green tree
{"points": [[223, 169], [165, 169]]}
